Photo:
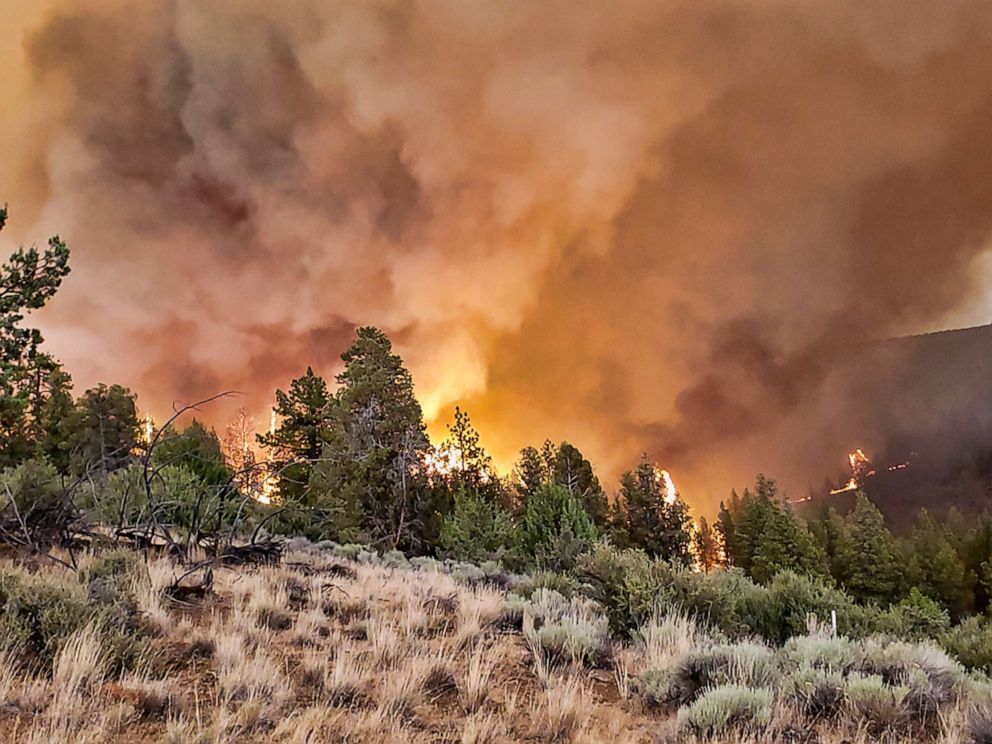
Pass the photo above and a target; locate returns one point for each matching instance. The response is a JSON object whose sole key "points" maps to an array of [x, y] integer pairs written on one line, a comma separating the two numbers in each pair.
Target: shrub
{"points": [[477, 529], [34, 488], [563, 630], [40, 613], [821, 651], [726, 709], [915, 618], [970, 642], [746, 664], [562, 583], [874, 705], [627, 583], [816, 692], [577, 637]]}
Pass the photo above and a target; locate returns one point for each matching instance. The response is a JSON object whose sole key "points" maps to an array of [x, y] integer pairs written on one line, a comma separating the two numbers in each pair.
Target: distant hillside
{"points": [[928, 401]]}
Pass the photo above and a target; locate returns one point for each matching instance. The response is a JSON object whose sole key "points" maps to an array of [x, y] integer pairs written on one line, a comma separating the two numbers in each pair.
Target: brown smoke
{"points": [[645, 225]]}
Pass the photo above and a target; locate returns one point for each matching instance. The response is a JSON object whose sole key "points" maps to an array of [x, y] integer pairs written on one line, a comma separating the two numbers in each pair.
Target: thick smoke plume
{"points": [[644, 226]]}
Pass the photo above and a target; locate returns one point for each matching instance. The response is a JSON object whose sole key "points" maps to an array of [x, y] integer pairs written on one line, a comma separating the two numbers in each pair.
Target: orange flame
{"points": [[860, 469]]}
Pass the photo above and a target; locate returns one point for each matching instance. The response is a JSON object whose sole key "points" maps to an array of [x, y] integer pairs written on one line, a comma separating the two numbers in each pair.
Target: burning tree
{"points": [[652, 514], [237, 445]]}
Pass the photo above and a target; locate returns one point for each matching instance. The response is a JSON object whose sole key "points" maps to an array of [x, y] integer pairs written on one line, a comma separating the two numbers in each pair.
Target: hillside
{"points": [[337, 644]]}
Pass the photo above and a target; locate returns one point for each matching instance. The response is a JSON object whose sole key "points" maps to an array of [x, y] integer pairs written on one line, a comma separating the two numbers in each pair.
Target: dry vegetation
{"points": [[338, 647]]}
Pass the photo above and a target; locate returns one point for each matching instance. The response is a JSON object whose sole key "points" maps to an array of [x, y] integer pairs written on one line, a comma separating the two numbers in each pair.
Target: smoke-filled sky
{"points": [[641, 226]]}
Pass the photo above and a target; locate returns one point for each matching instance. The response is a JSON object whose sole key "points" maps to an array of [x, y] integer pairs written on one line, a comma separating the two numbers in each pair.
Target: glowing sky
{"points": [[641, 226]]}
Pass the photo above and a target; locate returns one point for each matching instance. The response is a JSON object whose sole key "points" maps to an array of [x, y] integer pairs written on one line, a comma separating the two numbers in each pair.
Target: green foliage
{"points": [[297, 443], [102, 430], [197, 449], [28, 280], [764, 537], [915, 618], [574, 472], [377, 445], [652, 522], [555, 526], [970, 642], [178, 498], [727, 709], [706, 667], [867, 557], [33, 493], [935, 567], [477, 529], [785, 544], [38, 613]]}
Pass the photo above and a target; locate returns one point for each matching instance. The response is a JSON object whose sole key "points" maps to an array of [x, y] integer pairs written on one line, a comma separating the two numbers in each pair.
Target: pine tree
{"points": [[102, 430], [378, 445], [197, 449], [726, 528], [28, 280], [829, 533], [471, 468], [554, 514], [785, 544], [304, 424], [574, 472], [53, 417], [654, 523], [936, 569], [868, 557], [754, 511], [530, 473]]}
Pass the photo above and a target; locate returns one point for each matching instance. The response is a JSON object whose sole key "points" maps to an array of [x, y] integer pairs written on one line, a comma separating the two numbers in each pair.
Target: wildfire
{"points": [[443, 461], [665, 479], [267, 493], [147, 430], [861, 468]]}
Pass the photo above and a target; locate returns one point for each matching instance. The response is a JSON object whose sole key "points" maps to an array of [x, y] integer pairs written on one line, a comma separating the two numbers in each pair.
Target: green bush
{"points": [[821, 651], [915, 618], [35, 489], [726, 709], [970, 642], [477, 529], [39, 612]]}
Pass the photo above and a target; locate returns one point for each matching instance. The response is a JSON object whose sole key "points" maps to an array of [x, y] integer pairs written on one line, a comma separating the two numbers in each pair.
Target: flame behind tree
{"points": [[239, 453], [654, 517]]}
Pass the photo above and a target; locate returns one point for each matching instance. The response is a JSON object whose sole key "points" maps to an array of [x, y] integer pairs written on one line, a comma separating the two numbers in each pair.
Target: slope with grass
{"points": [[338, 644]]}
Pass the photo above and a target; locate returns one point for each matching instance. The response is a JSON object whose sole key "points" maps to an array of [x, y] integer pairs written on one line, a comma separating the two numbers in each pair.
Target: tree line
{"points": [[353, 463]]}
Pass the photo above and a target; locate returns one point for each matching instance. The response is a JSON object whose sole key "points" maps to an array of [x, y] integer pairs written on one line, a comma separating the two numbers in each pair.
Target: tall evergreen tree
{"points": [[868, 558], [707, 548], [554, 516], [378, 445], [785, 544], [198, 450], [304, 424], [28, 280], [574, 472], [471, 468], [102, 430], [658, 525], [936, 568]]}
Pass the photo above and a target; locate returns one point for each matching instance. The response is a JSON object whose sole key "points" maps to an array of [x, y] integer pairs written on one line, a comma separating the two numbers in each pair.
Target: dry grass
{"points": [[357, 652]]}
